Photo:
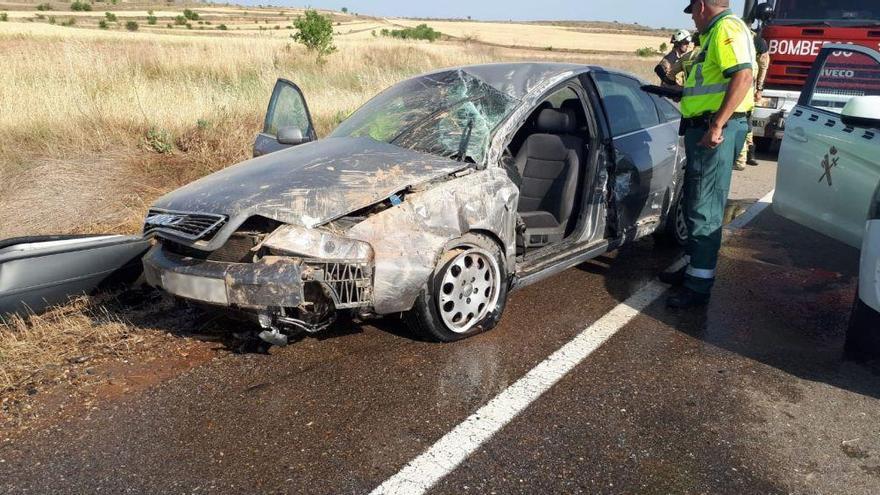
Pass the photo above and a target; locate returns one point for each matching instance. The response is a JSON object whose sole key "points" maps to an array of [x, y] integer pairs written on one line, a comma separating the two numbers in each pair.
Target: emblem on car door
{"points": [[829, 162]]}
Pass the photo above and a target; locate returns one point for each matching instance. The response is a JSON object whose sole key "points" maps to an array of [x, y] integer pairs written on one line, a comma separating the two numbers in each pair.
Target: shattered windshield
{"points": [[450, 114], [843, 11]]}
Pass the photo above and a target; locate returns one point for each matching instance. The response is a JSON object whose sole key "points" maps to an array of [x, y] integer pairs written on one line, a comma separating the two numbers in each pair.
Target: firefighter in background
{"points": [[682, 67], [682, 50], [747, 157]]}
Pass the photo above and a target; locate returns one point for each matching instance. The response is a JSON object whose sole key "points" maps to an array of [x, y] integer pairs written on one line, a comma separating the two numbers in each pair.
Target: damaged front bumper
{"points": [[272, 281]]}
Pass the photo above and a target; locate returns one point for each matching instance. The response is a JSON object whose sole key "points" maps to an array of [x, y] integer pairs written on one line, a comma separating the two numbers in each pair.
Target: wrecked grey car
{"points": [[433, 200]]}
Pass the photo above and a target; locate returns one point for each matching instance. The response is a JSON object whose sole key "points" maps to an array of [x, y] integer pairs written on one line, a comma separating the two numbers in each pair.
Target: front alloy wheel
{"points": [[466, 294], [469, 289]]}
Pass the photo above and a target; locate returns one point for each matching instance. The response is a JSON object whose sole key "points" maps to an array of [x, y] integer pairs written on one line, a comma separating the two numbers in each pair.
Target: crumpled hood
{"points": [[311, 184]]}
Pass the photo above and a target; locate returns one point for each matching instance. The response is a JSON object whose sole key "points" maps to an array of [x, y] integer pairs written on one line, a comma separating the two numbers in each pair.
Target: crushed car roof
{"points": [[520, 78]]}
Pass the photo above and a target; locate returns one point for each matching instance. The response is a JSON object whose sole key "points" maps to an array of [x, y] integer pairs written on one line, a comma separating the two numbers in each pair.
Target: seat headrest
{"points": [[572, 104], [552, 121]]}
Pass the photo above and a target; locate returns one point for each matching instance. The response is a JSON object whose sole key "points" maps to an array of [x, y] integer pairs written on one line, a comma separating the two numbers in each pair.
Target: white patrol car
{"points": [[829, 171]]}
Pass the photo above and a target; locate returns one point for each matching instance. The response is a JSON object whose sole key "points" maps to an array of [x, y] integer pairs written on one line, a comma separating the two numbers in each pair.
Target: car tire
{"points": [[863, 334], [442, 313], [674, 231]]}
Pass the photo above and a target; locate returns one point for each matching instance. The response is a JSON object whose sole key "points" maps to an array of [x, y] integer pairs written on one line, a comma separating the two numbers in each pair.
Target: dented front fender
{"points": [[408, 239]]}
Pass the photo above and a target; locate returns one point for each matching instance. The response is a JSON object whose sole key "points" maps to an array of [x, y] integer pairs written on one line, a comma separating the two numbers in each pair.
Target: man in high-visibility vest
{"points": [[718, 94]]}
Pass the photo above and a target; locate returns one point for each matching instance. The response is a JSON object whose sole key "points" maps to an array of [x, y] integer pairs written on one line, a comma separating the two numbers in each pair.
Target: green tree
{"points": [[131, 26], [189, 14], [103, 24], [111, 17], [663, 47], [315, 31], [151, 20], [4, 17], [420, 32], [344, 10]]}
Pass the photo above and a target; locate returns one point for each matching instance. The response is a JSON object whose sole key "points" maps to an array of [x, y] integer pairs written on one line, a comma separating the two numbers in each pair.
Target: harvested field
{"points": [[540, 36]]}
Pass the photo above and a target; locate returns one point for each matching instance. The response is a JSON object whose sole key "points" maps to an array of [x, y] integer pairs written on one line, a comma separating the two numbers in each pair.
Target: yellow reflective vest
{"points": [[727, 47]]}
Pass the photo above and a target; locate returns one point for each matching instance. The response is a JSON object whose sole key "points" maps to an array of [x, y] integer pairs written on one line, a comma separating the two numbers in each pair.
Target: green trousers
{"points": [[706, 186]]}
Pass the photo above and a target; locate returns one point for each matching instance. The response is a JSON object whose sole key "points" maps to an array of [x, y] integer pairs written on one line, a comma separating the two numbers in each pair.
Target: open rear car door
{"points": [[38, 272], [288, 121]]}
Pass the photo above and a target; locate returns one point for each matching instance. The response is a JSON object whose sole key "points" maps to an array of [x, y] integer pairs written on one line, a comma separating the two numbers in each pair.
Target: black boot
{"points": [[675, 278], [750, 156], [686, 298]]}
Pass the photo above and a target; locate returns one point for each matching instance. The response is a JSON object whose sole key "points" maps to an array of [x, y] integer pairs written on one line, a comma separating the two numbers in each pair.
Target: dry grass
{"points": [[76, 106], [35, 350]]}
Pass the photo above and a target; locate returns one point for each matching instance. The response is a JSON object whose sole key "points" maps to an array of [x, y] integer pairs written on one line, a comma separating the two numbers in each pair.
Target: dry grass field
{"points": [[81, 109], [540, 36], [98, 123]]}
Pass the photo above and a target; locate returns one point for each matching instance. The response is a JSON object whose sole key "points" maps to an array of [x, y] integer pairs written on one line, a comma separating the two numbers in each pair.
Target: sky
{"points": [[655, 13]]}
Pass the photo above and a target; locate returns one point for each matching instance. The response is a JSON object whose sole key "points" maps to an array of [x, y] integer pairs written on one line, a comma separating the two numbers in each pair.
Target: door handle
{"points": [[799, 135]]}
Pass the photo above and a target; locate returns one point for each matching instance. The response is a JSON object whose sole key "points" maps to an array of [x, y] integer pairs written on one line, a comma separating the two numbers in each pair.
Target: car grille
{"points": [[238, 249], [190, 226], [348, 282]]}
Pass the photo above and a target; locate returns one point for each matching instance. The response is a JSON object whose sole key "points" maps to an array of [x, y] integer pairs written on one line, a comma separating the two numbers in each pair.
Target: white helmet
{"points": [[681, 36]]}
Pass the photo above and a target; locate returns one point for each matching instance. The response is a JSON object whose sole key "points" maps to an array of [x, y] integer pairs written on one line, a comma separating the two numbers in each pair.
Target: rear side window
{"points": [[845, 75], [559, 98], [629, 108], [668, 111]]}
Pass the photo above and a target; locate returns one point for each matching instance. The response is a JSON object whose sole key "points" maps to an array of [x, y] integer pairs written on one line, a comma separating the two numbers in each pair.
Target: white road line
{"points": [[751, 213], [420, 474]]}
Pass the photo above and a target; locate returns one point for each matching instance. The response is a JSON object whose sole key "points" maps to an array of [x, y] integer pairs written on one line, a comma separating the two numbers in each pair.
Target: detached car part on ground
{"points": [[38, 272], [829, 175], [433, 200]]}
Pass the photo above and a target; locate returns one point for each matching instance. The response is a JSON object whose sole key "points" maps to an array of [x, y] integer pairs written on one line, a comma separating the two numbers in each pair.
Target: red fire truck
{"points": [[795, 31]]}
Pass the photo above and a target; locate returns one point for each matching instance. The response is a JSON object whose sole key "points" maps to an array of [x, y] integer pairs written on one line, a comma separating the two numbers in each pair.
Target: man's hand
{"points": [[758, 96], [713, 137]]}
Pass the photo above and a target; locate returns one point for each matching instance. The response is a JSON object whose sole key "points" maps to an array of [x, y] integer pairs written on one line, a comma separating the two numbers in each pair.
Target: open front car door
{"points": [[288, 121], [829, 173], [828, 167]]}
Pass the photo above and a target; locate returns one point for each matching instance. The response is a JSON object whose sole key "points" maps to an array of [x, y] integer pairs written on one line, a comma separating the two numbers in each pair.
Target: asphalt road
{"points": [[749, 395]]}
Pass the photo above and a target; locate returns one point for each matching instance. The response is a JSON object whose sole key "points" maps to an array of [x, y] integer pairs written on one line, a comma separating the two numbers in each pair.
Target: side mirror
{"points": [[291, 136], [764, 12], [862, 111]]}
